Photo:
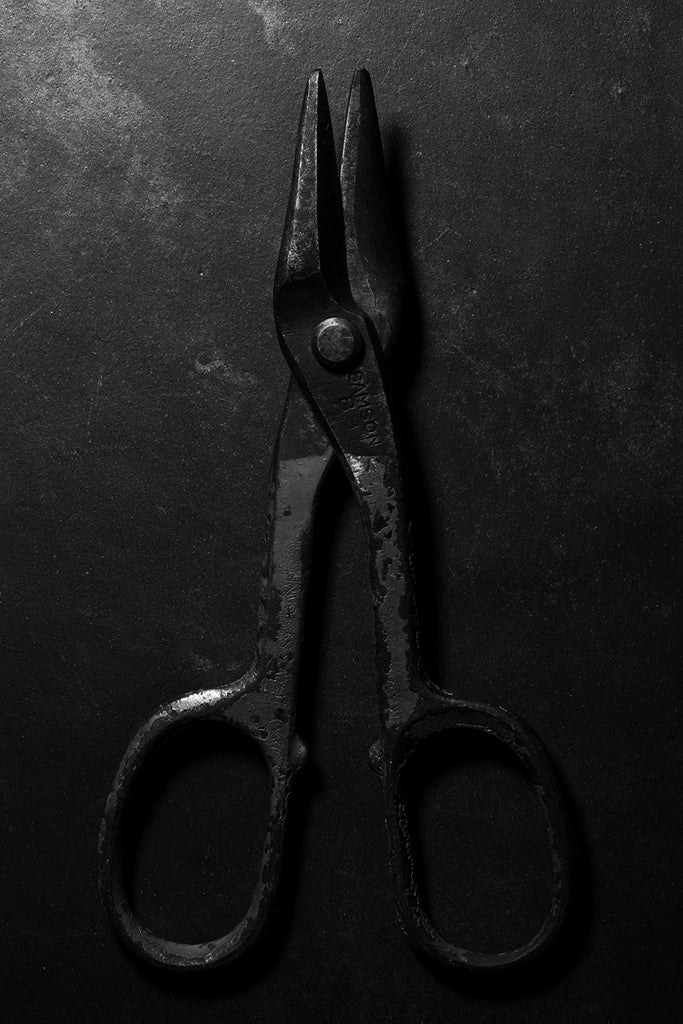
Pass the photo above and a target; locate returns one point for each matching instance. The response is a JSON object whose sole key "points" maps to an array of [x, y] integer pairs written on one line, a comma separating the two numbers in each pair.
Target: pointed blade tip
{"points": [[312, 242]]}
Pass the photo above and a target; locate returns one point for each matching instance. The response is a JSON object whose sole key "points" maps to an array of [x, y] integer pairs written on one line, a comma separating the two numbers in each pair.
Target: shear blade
{"points": [[313, 238], [374, 266]]}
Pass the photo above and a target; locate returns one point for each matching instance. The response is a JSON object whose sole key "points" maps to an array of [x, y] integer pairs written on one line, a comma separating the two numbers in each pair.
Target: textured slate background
{"points": [[145, 162]]}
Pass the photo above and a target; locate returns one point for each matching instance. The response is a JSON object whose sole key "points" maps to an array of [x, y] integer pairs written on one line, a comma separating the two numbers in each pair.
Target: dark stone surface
{"points": [[145, 164]]}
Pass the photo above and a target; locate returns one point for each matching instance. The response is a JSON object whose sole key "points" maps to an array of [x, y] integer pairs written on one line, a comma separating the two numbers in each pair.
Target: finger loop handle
{"points": [[523, 742], [283, 753]]}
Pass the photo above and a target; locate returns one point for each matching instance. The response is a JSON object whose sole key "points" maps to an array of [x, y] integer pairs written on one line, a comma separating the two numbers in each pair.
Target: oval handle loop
{"points": [[446, 713], [243, 707]]}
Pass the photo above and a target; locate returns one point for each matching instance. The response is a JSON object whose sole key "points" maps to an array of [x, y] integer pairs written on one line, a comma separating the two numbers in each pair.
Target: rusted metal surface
{"points": [[337, 303]]}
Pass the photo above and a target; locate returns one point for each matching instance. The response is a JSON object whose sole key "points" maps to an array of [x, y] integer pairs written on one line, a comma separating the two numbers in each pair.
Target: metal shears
{"points": [[337, 301]]}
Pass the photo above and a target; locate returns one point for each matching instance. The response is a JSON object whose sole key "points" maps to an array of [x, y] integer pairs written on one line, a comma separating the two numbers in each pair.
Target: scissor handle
{"points": [[393, 755], [242, 706]]}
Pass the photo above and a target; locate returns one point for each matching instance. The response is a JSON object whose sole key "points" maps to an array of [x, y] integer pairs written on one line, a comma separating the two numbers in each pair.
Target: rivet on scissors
{"points": [[337, 344]]}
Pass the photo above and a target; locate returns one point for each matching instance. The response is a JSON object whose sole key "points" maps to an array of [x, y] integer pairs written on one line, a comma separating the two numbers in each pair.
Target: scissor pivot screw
{"points": [[337, 344]]}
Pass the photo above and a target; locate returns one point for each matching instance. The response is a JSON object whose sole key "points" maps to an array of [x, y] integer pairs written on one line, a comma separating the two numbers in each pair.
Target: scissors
{"points": [[337, 300]]}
